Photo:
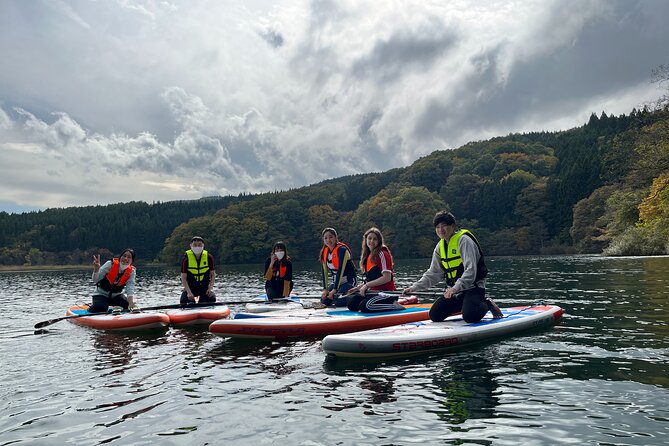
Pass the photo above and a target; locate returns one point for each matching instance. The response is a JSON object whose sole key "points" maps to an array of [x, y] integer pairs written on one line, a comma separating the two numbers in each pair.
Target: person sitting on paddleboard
{"points": [[115, 282], [376, 262], [339, 274], [458, 258], [198, 274], [278, 272]]}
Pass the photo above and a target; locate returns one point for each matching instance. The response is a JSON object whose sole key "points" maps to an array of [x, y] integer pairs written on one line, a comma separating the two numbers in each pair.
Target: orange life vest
{"points": [[335, 254], [373, 271], [114, 282], [282, 269]]}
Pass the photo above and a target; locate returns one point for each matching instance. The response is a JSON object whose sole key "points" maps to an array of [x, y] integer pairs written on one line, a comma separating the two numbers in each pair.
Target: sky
{"points": [[157, 100]]}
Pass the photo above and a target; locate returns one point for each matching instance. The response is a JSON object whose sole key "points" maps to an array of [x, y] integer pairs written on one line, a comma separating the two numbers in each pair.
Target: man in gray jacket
{"points": [[459, 260]]}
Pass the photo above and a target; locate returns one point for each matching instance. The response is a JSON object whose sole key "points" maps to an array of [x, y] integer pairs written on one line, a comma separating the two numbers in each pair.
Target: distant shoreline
{"points": [[34, 268], [30, 268]]}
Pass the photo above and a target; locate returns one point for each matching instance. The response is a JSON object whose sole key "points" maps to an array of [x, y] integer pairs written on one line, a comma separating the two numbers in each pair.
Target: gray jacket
{"points": [[435, 273]]}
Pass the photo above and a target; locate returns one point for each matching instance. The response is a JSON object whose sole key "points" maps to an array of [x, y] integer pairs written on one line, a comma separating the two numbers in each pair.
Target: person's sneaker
{"points": [[116, 310], [494, 309]]}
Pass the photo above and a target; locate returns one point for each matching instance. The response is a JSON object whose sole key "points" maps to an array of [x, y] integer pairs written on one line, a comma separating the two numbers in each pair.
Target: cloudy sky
{"points": [[119, 100]]}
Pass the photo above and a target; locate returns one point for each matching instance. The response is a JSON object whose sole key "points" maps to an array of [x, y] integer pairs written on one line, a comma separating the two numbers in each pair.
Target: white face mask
{"points": [[123, 266], [197, 250], [279, 254]]}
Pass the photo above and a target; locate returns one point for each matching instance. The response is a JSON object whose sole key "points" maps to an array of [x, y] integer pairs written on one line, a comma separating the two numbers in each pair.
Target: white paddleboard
{"points": [[427, 336]]}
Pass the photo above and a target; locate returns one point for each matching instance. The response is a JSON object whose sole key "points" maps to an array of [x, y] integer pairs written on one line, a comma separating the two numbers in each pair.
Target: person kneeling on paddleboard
{"points": [[377, 264], [339, 274], [115, 283], [458, 258], [198, 274], [278, 273]]}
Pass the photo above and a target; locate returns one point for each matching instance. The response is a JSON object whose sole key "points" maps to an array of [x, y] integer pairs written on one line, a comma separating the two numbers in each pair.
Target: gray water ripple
{"points": [[598, 378]]}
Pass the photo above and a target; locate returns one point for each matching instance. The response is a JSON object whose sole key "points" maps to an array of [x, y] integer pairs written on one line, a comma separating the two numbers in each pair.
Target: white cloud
{"points": [[183, 99]]}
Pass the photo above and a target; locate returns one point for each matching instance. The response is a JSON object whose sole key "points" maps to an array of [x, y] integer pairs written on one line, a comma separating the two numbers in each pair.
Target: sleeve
{"points": [[212, 262], [470, 254], [130, 284], [184, 265], [433, 275], [104, 269], [268, 273], [324, 275], [288, 279], [385, 262], [344, 257]]}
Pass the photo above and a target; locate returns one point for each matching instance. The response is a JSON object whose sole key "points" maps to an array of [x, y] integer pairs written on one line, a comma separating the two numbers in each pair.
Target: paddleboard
{"points": [[304, 308], [314, 323], [262, 304], [197, 316], [427, 336], [125, 321]]}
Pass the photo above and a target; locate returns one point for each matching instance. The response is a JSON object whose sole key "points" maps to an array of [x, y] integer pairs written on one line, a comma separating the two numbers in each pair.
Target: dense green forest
{"points": [[72, 235], [601, 187]]}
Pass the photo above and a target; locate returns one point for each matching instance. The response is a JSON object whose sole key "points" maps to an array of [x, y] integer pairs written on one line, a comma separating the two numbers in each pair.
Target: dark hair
{"points": [[329, 230], [131, 251], [281, 245], [443, 217], [197, 238]]}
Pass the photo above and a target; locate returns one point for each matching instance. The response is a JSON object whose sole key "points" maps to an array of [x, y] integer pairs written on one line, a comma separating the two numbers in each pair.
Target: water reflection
{"points": [[115, 350], [600, 376], [468, 388]]}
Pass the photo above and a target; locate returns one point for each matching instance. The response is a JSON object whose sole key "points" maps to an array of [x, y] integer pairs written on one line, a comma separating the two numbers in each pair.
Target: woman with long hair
{"points": [[376, 262], [339, 274]]}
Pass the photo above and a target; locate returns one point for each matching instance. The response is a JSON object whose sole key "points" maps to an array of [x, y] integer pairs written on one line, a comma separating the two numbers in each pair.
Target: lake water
{"points": [[601, 377]]}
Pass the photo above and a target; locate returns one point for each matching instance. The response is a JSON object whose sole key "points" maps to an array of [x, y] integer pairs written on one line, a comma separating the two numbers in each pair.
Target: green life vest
{"points": [[198, 269], [451, 261]]}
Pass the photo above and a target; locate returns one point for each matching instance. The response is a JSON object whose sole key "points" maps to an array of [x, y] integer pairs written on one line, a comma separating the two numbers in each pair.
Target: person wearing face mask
{"points": [[115, 282], [198, 274], [278, 273]]}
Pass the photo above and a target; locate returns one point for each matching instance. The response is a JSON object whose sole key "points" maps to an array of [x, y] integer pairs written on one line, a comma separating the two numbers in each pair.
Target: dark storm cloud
{"points": [[197, 97], [600, 60], [402, 53]]}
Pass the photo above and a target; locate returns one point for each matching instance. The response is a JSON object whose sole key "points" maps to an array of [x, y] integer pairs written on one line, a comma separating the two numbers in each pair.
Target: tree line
{"points": [[601, 187]]}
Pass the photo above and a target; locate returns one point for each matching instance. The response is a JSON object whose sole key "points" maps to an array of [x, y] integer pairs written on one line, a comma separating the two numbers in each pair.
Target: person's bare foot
{"points": [[494, 309]]}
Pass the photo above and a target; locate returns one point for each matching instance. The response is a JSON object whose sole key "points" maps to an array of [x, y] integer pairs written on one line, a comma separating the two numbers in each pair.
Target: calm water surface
{"points": [[601, 377]]}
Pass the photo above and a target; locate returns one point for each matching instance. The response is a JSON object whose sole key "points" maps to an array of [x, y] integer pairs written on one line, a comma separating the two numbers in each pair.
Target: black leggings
{"points": [[374, 303], [102, 303], [203, 297], [471, 302]]}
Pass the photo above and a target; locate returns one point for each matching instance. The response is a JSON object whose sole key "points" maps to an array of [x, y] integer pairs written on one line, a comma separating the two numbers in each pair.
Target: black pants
{"points": [[274, 289], [373, 303], [202, 293], [102, 303], [471, 302], [340, 298]]}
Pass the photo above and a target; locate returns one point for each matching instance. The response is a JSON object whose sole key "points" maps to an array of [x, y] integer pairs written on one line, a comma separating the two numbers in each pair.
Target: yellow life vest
{"points": [[198, 269], [452, 262]]}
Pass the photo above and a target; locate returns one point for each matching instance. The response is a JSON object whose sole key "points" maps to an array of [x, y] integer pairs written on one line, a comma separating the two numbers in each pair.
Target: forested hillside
{"points": [[72, 235], [599, 187]]}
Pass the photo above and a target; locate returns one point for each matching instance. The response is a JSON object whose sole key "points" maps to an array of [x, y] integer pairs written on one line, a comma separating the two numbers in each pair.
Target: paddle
{"points": [[413, 293]]}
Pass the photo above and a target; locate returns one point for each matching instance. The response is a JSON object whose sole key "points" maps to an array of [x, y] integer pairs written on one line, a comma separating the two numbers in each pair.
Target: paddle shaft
{"points": [[398, 293]]}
